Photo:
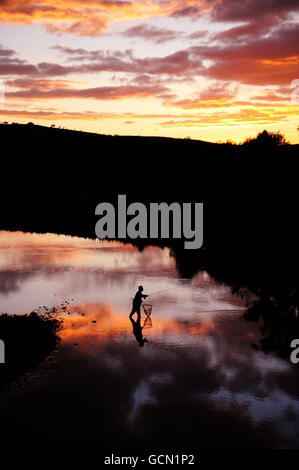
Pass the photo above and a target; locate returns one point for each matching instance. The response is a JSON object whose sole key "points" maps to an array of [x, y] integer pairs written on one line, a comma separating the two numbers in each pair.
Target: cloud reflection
{"points": [[198, 382]]}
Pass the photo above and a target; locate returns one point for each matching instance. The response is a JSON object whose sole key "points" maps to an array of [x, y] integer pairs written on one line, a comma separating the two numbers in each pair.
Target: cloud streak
{"points": [[152, 33], [98, 93]]}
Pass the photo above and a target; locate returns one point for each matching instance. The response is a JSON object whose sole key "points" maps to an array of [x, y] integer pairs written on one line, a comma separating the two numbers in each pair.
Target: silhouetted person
{"points": [[137, 302], [137, 331]]}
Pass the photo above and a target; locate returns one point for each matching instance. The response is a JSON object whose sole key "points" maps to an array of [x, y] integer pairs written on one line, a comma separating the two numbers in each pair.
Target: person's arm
{"points": [[144, 296]]}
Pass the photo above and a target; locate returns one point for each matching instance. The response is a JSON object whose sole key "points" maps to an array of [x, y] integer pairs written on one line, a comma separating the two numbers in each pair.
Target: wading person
{"points": [[137, 302]]}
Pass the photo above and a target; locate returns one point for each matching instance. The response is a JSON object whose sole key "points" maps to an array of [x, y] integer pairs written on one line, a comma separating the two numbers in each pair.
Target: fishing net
{"points": [[147, 309], [148, 323]]}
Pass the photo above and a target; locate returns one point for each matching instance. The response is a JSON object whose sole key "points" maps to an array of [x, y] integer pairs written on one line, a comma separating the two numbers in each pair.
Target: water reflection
{"points": [[138, 330], [196, 382]]}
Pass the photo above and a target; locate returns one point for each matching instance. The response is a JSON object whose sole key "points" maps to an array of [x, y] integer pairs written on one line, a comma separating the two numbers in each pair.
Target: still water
{"points": [[196, 383]]}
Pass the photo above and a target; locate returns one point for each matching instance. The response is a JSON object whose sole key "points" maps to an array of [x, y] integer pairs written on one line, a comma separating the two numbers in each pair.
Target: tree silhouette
{"points": [[266, 139]]}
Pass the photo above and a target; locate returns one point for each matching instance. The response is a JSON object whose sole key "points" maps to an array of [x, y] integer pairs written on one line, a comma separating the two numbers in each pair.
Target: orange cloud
{"points": [[245, 116], [89, 17], [50, 114], [94, 17], [212, 97], [46, 85]]}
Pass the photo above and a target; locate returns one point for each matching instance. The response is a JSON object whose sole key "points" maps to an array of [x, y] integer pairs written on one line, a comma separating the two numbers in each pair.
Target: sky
{"points": [[212, 70]]}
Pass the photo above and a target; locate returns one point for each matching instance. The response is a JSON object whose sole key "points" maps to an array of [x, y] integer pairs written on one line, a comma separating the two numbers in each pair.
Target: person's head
{"points": [[140, 288]]}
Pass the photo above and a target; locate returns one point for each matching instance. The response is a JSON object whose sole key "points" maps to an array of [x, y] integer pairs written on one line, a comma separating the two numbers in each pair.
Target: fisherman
{"points": [[138, 301]]}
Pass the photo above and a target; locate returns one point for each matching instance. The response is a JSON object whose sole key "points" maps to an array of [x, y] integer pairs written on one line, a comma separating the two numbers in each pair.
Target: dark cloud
{"points": [[234, 10], [6, 52], [11, 65], [271, 60], [198, 34], [258, 60], [192, 11], [99, 93], [152, 33], [178, 63]]}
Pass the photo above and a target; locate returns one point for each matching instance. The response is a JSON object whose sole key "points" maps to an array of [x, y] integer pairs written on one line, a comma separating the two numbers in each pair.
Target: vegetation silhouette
{"points": [[28, 340], [267, 140], [277, 308]]}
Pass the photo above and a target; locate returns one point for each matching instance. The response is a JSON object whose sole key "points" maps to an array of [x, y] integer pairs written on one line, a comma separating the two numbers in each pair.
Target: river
{"points": [[197, 380]]}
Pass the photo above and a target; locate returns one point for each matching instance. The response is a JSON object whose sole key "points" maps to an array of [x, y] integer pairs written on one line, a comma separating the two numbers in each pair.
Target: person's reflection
{"points": [[137, 330]]}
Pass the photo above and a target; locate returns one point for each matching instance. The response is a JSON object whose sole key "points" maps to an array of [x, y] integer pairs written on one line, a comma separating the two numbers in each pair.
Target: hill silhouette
{"points": [[52, 179]]}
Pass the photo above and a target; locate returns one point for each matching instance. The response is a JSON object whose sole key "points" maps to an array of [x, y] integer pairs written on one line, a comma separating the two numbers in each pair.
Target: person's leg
{"points": [[139, 313], [133, 310]]}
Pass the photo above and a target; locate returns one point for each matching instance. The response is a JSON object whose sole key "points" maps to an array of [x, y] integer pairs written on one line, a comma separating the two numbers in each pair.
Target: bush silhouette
{"points": [[266, 139]]}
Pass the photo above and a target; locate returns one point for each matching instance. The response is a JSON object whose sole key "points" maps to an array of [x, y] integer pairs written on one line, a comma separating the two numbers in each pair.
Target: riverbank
{"points": [[28, 340]]}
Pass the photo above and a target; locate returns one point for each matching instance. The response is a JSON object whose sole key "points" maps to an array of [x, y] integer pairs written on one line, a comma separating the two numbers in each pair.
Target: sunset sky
{"points": [[209, 69]]}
